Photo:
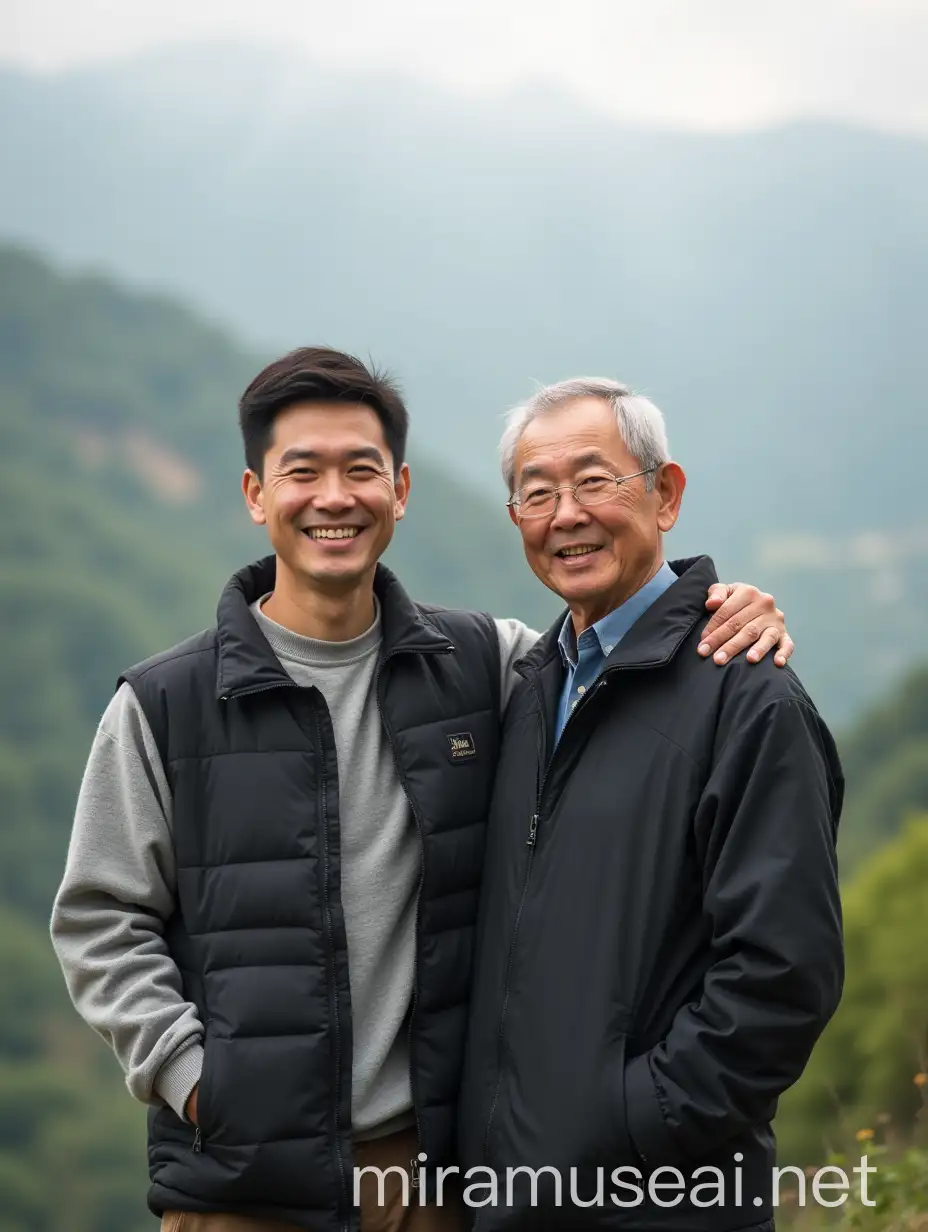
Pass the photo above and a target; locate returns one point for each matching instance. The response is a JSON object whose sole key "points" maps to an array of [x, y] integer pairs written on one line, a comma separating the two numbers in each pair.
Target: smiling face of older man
{"points": [[591, 522]]}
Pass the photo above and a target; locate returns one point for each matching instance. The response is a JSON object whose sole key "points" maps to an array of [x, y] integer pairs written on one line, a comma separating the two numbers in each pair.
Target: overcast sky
{"points": [[692, 63]]}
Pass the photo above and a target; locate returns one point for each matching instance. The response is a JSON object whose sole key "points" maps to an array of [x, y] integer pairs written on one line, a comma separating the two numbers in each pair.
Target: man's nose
{"points": [[569, 512], [332, 493]]}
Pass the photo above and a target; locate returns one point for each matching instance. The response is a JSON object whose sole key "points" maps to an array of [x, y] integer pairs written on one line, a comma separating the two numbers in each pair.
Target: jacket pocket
{"points": [[612, 1141]]}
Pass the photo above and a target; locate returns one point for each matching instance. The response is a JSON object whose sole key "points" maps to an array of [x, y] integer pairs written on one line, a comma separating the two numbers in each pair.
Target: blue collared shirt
{"points": [[584, 657]]}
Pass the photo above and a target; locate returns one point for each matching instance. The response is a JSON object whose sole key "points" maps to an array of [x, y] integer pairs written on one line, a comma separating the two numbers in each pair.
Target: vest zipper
{"points": [[333, 991], [261, 688], [330, 949], [413, 1163]]}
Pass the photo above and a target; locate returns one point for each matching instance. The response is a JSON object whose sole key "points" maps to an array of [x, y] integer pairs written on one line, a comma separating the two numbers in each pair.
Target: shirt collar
{"points": [[610, 630]]}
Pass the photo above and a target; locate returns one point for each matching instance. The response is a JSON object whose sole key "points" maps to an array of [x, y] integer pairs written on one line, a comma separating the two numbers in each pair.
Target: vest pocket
{"points": [[204, 1091]]}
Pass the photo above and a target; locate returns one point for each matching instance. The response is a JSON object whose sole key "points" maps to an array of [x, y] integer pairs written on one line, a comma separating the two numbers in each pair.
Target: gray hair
{"points": [[640, 422]]}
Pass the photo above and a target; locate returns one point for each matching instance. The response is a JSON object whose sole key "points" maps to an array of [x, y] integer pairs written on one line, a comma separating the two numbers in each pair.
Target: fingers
{"points": [[761, 641], [748, 618], [764, 644], [718, 593], [743, 605], [749, 635], [782, 657]]}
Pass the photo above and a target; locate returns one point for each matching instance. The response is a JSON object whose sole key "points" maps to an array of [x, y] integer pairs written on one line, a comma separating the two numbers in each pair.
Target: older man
{"points": [[659, 940]]}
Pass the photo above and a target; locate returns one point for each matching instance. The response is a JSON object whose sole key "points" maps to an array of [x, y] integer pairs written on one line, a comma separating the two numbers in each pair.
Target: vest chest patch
{"points": [[461, 746]]}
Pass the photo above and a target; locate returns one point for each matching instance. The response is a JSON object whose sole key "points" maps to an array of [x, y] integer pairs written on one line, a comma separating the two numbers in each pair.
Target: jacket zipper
{"points": [[598, 685], [530, 842], [414, 1162]]}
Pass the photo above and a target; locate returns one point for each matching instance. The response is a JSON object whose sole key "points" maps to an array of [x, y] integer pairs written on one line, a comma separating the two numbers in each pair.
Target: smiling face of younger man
{"points": [[325, 439], [330, 495]]}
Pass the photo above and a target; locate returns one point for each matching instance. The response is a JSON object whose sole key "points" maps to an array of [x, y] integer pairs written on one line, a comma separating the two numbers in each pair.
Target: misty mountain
{"points": [[768, 289]]}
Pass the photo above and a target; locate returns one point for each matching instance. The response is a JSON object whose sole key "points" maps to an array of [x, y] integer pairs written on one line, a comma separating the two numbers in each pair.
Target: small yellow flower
{"points": [[864, 1135], [921, 1080]]}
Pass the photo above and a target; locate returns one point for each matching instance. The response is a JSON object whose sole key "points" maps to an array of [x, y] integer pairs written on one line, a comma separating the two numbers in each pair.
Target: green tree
{"points": [[861, 1072]]}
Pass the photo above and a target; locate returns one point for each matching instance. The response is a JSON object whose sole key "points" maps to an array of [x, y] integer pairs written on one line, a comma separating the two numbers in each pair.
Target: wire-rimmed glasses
{"points": [[540, 500]]}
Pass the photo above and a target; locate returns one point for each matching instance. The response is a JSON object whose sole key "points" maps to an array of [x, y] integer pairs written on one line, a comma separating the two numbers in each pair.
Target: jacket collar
{"points": [[657, 634], [247, 664]]}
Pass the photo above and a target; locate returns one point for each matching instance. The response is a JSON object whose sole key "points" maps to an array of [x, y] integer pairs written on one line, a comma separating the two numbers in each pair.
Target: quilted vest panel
{"points": [[258, 934]]}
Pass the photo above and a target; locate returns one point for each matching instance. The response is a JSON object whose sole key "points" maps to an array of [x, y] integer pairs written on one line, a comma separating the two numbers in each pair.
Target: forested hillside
{"points": [[885, 758], [119, 520]]}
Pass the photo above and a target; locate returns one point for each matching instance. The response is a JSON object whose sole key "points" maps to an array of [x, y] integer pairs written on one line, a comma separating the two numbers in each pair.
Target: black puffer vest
{"points": [[259, 934]]}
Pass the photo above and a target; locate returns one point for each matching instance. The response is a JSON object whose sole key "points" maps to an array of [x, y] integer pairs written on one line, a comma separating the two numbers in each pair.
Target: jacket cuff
{"points": [[644, 1116], [178, 1076]]}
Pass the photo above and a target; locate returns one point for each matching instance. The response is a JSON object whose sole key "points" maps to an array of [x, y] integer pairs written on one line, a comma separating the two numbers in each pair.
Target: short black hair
{"points": [[318, 374]]}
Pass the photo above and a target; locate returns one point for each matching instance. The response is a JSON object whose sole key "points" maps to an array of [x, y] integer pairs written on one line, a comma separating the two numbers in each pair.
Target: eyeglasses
{"points": [[541, 500]]}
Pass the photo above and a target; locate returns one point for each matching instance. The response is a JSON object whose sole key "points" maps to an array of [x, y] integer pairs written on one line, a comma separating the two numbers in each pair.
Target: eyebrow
{"points": [[365, 452], [591, 458]]}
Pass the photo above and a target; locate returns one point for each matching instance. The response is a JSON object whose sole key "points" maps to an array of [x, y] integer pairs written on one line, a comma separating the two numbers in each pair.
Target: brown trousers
{"points": [[395, 1151]]}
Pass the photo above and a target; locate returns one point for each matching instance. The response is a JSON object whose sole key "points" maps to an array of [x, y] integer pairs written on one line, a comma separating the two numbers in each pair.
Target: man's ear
{"points": [[670, 484], [402, 482], [253, 492]]}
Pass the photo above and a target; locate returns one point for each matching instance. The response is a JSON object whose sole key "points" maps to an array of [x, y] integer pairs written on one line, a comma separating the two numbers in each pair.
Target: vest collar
{"points": [[247, 664]]}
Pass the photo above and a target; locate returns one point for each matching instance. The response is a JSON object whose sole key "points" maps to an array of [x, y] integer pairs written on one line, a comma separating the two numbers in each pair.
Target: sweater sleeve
{"points": [[109, 915], [767, 824], [515, 640]]}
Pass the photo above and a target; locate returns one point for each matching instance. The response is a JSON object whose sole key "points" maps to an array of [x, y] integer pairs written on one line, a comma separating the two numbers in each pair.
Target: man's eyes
{"points": [[592, 483], [354, 472]]}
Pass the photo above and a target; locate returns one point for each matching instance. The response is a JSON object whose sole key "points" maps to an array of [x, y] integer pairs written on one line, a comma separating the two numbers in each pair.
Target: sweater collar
{"points": [[246, 662]]}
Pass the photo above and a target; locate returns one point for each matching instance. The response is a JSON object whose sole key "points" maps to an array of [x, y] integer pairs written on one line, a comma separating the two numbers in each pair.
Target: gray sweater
{"points": [[119, 886]]}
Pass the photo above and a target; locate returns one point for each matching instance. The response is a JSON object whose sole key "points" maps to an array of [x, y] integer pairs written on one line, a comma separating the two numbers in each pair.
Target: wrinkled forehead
{"points": [[553, 465], [569, 440]]}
